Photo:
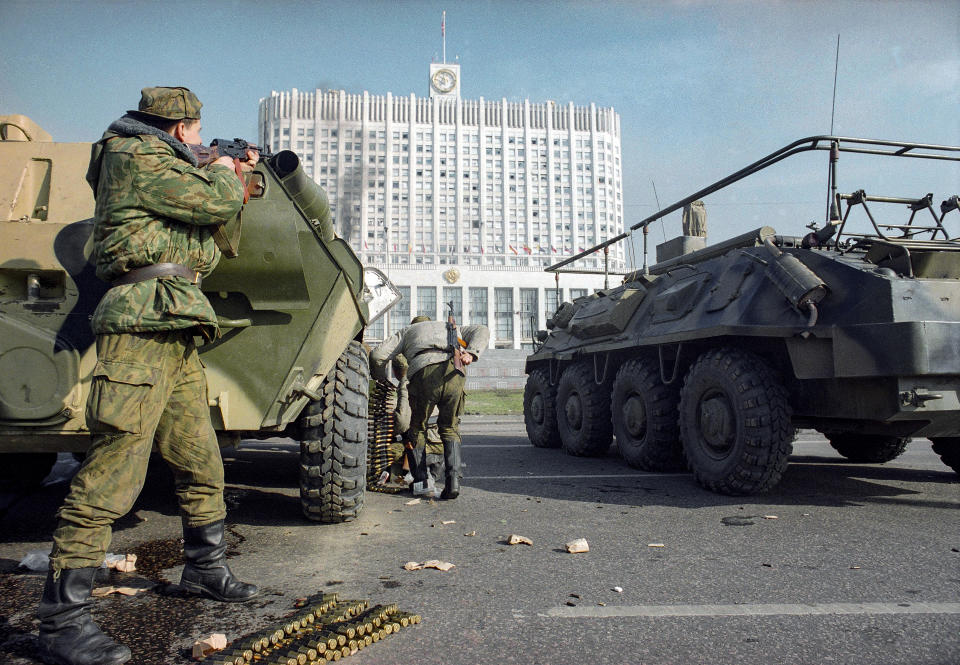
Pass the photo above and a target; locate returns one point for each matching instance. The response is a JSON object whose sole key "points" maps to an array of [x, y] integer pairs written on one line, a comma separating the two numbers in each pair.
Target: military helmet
{"points": [[420, 319], [169, 103]]}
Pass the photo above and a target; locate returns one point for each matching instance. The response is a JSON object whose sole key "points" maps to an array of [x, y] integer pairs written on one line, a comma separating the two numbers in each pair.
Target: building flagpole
{"points": [[443, 35]]}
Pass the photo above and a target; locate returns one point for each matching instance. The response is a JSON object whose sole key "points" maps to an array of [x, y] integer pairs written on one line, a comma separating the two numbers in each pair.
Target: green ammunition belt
{"points": [[323, 630]]}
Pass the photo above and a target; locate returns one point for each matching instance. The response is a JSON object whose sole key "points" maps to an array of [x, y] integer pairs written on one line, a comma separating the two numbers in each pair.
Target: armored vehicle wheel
{"points": [[583, 412], [868, 448], [948, 448], [645, 418], [333, 452], [540, 410], [735, 423], [25, 471]]}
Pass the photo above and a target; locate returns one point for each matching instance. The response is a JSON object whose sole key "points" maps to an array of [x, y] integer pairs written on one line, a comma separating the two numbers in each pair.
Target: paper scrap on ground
{"points": [[124, 563], [448, 522], [412, 502], [36, 560], [207, 645], [577, 546], [102, 591], [514, 539], [432, 563], [656, 545], [770, 517]]}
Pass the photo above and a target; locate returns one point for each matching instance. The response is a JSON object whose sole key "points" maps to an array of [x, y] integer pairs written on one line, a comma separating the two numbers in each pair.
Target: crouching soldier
{"points": [[435, 382]]}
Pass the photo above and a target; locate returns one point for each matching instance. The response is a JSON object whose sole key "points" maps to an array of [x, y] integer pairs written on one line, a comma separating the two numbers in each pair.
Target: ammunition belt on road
{"points": [[326, 629]]}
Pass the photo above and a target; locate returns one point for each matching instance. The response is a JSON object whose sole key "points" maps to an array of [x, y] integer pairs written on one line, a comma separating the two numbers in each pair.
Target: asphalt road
{"points": [[841, 563]]}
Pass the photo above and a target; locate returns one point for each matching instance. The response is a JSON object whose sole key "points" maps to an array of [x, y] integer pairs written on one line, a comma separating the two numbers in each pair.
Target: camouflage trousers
{"points": [[439, 385], [147, 388]]}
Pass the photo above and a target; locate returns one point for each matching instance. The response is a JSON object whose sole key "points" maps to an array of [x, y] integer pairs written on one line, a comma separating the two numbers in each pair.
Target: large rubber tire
{"points": [[583, 412], [868, 448], [540, 410], [948, 448], [333, 452], [735, 423], [22, 472], [645, 415]]}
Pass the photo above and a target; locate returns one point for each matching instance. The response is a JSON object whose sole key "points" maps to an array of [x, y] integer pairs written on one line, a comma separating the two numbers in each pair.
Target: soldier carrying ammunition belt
{"points": [[153, 240], [434, 382]]}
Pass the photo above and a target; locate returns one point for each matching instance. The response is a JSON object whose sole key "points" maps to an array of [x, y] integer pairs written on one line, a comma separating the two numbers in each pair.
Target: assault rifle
{"points": [[237, 148], [454, 340]]}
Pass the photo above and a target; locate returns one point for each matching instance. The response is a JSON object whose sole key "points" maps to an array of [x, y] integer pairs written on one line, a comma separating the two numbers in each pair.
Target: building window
{"points": [[553, 298], [577, 293], [503, 312], [400, 313], [478, 306], [453, 294], [374, 332], [528, 313], [427, 301]]}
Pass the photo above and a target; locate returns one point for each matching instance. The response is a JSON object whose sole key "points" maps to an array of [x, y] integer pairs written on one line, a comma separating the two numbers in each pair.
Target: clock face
{"points": [[444, 80]]}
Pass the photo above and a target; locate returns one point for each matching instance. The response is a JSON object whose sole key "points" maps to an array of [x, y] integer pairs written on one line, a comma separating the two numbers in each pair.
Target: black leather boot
{"points": [[68, 635], [451, 457], [206, 571]]}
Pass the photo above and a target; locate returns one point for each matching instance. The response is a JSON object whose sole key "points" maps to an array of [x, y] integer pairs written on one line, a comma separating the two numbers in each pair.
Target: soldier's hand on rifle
{"points": [[466, 358], [224, 161], [251, 161]]}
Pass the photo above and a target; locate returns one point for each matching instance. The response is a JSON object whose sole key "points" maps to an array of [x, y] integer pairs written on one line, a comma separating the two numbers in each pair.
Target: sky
{"points": [[703, 88]]}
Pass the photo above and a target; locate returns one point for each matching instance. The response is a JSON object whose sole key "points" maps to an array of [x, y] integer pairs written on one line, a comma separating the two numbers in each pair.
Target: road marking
{"points": [[759, 609], [586, 475]]}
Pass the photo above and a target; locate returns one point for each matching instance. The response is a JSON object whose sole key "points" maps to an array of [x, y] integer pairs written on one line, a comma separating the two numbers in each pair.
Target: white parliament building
{"points": [[462, 200]]}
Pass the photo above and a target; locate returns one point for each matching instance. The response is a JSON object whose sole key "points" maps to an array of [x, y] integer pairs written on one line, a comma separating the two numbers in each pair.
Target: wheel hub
{"points": [[536, 408], [635, 416], [573, 410], [717, 423]]}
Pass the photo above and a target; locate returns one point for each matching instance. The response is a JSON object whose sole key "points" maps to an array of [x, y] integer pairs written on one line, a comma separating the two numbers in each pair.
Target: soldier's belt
{"points": [[158, 270]]}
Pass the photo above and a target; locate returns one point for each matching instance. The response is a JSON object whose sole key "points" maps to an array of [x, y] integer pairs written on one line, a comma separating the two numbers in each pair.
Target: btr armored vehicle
{"points": [[292, 305], [711, 358]]}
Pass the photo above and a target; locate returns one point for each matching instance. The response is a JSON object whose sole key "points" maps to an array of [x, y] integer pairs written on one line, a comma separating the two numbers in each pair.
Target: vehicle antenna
{"points": [[833, 213], [657, 198]]}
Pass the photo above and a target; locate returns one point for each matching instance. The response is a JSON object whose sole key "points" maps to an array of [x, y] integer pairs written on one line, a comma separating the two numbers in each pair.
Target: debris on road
{"points": [[124, 563], [412, 502], [39, 561], [36, 560], [618, 589], [432, 563], [470, 533], [445, 522], [135, 586], [514, 539], [578, 546], [655, 545], [206, 646], [770, 517]]}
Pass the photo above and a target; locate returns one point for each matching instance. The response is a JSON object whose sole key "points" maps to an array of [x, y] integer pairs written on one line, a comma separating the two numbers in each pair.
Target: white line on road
{"points": [[571, 477], [801, 609]]}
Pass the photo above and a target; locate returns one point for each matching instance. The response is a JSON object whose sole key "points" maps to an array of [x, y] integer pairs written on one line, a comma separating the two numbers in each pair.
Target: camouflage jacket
{"points": [[154, 205], [425, 343]]}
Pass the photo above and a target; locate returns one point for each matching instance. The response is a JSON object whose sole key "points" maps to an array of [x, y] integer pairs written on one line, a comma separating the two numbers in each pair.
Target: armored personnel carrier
{"points": [[711, 358], [292, 306]]}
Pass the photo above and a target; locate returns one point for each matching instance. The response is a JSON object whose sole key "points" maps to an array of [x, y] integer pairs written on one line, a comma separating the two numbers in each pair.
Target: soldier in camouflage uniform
{"points": [[155, 212], [434, 382]]}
